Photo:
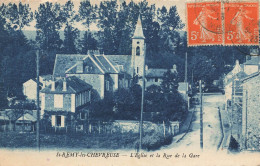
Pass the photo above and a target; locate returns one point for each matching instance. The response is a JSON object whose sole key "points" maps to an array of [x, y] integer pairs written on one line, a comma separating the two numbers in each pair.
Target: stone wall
{"points": [[49, 103], [95, 80], [251, 114]]}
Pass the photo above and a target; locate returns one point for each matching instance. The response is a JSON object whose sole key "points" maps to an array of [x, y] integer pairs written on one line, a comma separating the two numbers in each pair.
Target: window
{"points": [[137, 50], [107, 85], [58, 120], [156, 79], [137, 70], [58, 101], [82, 115], [138, 42], [120, 67]]}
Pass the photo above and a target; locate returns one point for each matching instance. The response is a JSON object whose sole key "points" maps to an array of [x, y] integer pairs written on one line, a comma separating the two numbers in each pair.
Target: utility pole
{"points": [[232, 105], [38, 103], [142, 102], [201, 118], [186, 68]]}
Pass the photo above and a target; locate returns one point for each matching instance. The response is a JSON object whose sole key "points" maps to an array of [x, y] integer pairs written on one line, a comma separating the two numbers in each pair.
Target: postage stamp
{"points": [[204, 23], [241, 23]]}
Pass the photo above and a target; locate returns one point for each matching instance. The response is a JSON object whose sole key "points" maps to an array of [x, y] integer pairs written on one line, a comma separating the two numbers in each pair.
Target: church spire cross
{"points": [[138, 34]]}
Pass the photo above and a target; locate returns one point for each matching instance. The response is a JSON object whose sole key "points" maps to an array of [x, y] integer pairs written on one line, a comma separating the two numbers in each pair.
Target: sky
{"points": [[34, 4]]}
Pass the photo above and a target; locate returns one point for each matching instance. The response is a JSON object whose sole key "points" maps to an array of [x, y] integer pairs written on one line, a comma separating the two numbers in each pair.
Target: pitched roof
{"points": [[138, 34], [253, 61], [65, 61], [105, 64], [96, 64], [155, 72], [47, 77], [124, 60], [90, 66], [27, 117], [249, 77], [74, 85], [238, 76], [33, 80]]}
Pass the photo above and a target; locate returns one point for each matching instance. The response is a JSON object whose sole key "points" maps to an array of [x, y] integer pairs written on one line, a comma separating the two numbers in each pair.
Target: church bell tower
{"points": [[138, 49]]}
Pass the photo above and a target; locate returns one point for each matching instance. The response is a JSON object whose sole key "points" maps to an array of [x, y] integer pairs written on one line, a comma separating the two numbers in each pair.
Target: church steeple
{"points": [[138, 34], [138, 49]]}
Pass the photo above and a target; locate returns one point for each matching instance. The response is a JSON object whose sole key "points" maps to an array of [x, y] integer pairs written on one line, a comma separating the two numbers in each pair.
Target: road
{"points": [[211, 126]]}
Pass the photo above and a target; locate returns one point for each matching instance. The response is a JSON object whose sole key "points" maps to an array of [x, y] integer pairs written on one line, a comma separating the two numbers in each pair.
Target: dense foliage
{"points": [[115, 22]]}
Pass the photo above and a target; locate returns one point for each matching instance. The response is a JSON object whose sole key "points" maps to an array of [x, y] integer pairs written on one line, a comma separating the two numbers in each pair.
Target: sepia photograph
{"points": [[129, 82]]}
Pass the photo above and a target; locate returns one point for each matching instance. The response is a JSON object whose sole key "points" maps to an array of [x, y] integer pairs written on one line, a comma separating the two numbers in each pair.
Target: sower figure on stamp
{"points": [[202, 21], [238, 20]]}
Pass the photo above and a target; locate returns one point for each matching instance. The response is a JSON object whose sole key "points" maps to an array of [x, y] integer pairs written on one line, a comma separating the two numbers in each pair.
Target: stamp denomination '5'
{"points": [[241, 23], [204, 23]]}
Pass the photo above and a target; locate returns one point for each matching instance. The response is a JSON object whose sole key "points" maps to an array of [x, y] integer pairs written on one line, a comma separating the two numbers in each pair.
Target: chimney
{"points": [[43, 84], [174, 68], [53, 84], [64, 85], [80, 66], [237, 62], [146, 67]]}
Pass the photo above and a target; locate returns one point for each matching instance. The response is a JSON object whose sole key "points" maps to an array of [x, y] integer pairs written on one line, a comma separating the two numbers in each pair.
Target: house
{"points": [[65, 100], [252, 62], [26, 122], [251, 113], [30, 89], [94, 69], [236, 74], [18, 119], [155, 76], [183, 89], [30, 86], [4, 121]]}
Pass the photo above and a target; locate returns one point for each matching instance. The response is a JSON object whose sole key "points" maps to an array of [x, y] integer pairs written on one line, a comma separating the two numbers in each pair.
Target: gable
{"points": [[65, 61], [89, 67]]}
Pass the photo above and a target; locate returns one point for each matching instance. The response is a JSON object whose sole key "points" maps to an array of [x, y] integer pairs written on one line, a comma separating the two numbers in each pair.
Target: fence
{"points": [[118, 126]]}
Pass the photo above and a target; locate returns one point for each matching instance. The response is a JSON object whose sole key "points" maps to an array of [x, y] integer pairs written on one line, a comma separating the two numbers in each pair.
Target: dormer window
{"points": [[138, 51], [87, 68]]}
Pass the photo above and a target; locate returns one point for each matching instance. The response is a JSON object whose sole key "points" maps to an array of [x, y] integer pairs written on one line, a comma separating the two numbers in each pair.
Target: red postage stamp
{"points": [[241, 23], [204, 23]]}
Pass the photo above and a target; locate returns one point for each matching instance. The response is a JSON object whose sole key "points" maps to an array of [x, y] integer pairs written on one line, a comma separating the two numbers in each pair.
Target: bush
{"points": [[154, 141]]}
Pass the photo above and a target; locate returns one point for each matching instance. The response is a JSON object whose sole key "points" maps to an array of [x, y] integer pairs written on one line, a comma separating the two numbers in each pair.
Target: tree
{"points": [[19, 16], [14, 48], [88, 43], [108, 22], [71, 34], [170, 82], [49, 20], [87, 13], [103, 109]]}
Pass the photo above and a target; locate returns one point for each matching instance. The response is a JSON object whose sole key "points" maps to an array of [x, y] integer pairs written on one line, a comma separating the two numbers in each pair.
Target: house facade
{"points": [[30, 86], [64, 99], [251, 113]]}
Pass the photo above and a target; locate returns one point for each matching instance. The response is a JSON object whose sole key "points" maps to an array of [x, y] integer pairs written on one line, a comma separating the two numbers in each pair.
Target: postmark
{"points": [[204, 25], [241, 23]]}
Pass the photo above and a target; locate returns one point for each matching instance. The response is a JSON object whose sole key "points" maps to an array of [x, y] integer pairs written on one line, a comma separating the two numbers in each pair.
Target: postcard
{"points": [[129, 82]]}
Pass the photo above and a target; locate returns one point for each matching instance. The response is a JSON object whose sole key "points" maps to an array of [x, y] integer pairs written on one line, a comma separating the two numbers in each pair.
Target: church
{"points": [[106, 73]]}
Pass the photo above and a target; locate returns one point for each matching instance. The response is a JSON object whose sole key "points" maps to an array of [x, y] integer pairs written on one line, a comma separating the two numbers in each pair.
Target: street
{"points": [[211, 127]]}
